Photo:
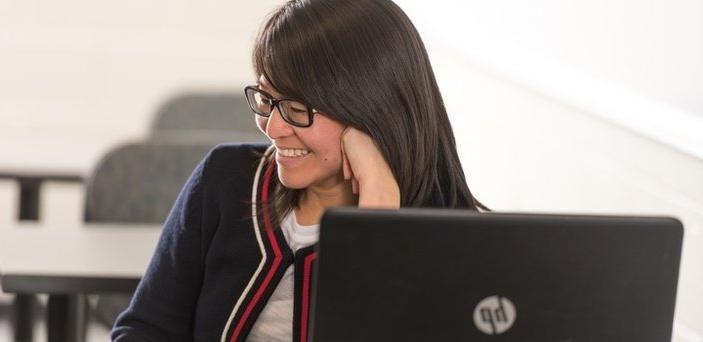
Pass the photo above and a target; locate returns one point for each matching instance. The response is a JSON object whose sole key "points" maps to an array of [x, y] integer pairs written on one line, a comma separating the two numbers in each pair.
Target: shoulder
{"points": [[236, 152], [228, 169]]}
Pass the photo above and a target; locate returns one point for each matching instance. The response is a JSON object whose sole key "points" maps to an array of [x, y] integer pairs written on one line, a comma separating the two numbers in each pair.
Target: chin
{"points": [[293, 182]]}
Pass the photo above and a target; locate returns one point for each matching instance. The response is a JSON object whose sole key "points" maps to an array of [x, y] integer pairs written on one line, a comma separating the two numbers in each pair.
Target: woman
{"points": [[347, 96]]}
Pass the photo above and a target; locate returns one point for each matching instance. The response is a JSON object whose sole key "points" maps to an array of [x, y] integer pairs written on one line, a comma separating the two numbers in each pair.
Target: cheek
{"points": [[261, 123], [327, 150], [331, 156], [325, 142]]}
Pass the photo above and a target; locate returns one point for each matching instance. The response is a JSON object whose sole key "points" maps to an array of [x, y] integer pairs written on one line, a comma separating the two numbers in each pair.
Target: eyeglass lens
{"points": [[292, 111]]}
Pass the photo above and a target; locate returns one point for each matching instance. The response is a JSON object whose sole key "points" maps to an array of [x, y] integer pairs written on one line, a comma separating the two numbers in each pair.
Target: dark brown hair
{"points": [[362, 62]]}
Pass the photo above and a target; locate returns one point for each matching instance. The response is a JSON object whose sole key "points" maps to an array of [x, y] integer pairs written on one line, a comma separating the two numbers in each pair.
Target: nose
{"points": [[276, 127]]}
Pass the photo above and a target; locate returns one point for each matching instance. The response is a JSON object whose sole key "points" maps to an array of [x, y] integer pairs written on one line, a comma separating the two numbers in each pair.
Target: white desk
{"points": [[93, 250], [67, 261]]}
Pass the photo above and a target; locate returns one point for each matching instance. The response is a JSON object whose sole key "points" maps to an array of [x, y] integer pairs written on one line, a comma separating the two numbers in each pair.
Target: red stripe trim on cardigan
{"points": [[306, 296], [276, 260]]}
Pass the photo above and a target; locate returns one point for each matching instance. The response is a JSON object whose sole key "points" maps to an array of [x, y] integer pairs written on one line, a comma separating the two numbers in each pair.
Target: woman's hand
{"points": [[370, 175]]}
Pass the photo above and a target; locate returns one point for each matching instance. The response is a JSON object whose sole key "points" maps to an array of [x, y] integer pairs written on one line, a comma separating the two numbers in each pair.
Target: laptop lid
{"points": [[455, 275]]}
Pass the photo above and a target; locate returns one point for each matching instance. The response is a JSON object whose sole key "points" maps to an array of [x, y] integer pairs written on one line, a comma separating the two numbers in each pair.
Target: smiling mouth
{"points": [[291, 157], [292, 152]]}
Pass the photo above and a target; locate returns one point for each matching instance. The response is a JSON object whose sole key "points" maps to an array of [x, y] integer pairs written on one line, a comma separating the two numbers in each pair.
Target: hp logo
{"points": [[494, 315]]}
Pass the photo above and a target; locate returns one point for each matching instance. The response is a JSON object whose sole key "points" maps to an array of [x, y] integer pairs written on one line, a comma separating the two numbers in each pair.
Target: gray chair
{"points": [[206, 117], [137, 183]]}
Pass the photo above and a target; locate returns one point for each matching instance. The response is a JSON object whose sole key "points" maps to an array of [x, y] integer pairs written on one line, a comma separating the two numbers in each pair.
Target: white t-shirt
{"points": [[275, 323]]}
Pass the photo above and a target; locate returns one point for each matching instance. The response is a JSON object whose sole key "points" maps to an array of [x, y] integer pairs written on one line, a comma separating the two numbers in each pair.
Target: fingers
{"points": [[346, 168], [346, 165], [355, 186], [347, 171]]}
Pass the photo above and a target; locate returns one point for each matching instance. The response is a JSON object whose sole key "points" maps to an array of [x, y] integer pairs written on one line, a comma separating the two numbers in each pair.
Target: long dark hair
{"points": [[362, 62]]}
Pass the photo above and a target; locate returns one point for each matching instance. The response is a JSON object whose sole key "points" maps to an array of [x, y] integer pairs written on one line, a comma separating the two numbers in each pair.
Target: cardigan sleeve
{"points": [[163, 305]]}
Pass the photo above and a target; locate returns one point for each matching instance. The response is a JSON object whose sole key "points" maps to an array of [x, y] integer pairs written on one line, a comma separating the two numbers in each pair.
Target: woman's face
{"points": [[320, 161]]}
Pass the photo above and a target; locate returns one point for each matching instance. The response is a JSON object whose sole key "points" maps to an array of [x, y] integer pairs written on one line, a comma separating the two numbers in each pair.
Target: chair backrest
{"points": [[206, 117], [139, 182]]}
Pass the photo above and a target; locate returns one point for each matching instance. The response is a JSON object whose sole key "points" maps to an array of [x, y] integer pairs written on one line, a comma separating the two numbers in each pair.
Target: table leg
{"points": [[29, 199], [24, 304], [23, 309], [66, 318]]}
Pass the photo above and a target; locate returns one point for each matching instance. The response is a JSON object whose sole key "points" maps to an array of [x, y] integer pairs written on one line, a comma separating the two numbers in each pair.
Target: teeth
{"points": [[293, 152]]}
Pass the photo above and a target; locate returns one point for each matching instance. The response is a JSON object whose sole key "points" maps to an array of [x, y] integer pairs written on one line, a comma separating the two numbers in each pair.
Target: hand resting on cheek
{"points": [[371, 176]]}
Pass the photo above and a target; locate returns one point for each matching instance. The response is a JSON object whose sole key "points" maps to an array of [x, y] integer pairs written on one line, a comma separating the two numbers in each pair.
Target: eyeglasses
{"points": [[292, 111]]}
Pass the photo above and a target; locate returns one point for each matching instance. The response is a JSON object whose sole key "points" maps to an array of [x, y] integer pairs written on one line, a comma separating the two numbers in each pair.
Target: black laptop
{"points": [[455, 275]]}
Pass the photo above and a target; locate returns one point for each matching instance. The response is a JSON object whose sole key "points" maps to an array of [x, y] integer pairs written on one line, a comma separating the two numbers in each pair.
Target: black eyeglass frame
{"points": [[274, 104]]}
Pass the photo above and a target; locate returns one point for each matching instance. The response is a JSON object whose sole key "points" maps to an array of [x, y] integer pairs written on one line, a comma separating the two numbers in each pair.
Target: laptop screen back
{"points": [[453, 275]]}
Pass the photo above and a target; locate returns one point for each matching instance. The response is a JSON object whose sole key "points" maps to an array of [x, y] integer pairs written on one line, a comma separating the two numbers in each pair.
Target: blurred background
{"points": [[569, 106]]}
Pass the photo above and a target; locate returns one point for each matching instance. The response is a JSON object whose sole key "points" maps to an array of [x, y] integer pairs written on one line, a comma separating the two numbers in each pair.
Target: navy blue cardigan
{"points": [[218, 259]]}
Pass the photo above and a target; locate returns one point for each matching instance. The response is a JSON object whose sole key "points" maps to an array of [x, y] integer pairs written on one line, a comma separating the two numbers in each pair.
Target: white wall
{"points": [[79, 72], [639, 64], [653, 47]]}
